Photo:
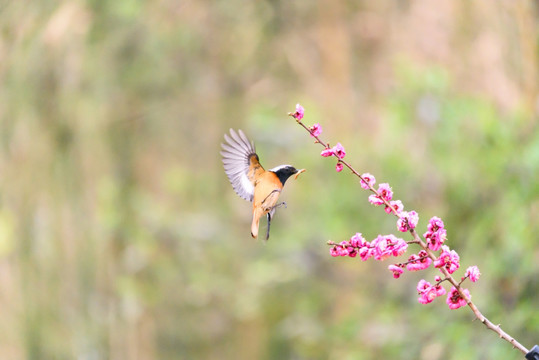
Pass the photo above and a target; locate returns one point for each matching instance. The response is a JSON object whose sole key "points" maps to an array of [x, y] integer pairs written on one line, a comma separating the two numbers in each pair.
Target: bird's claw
{"points": [[279, 205]]}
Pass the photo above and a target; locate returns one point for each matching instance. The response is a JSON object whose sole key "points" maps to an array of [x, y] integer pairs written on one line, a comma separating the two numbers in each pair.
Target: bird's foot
{"points": [[279, 205]]}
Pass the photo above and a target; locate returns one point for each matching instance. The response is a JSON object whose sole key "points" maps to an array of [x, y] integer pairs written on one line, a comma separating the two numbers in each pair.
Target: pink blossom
{"points": [[388, 245], [424, 289], [357, 240], [315, 130], [423, 285], [397, 205], [428, 292], [399, 246], [298, 115], [412, 263], [369, 180], [397, 270], [345, 248], [338, 151], [440, 291], [448, 259], [473, 273], [455, 300], [402, 224], [327, 152], [338, 167], [366, 251], [435, 223], [342, 249], [418, 262], [436, 234], [379, 246], [413, 219], [407, 221], [385, 192], [435, 239], [427, 296], [375, 200]]}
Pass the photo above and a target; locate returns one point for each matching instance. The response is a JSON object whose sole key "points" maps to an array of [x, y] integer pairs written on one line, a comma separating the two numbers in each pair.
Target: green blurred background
{"points": [[121, 238]]}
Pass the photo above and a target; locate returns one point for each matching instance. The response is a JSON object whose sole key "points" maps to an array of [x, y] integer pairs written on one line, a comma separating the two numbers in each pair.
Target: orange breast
{"points": [[267, 191]]}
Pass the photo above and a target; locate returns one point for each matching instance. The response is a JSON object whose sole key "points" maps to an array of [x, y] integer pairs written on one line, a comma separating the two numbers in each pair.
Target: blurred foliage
{"points": [[120, 237]]}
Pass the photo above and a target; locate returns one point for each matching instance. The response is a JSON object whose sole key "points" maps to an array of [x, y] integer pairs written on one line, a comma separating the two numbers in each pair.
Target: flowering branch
{"points": [[433, 250]]}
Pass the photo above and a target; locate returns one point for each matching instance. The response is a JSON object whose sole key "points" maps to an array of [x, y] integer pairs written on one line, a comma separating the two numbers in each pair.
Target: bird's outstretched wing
{"points": [[241, 163]]}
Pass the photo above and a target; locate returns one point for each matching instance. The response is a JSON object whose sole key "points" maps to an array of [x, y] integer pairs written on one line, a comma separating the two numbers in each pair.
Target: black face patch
{"points": [[284, 173]]}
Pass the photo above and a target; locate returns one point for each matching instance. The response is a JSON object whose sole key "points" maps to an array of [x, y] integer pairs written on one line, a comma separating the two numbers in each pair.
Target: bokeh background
{"points": [[121, 238]]}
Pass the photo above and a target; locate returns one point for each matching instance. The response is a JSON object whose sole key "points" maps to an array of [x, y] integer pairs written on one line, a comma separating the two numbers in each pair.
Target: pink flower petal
{"points": [[397, 271], [473, 273], [316, 130], [327, 152], [299, 112], [455, 300], [369, 180], [339, 151]]}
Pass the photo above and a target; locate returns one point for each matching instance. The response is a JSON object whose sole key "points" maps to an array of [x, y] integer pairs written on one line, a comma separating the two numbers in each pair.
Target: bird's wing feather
{"points": [[241, 163]]}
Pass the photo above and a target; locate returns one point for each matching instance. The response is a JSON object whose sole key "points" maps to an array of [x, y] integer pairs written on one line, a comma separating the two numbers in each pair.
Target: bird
{"points": [[249, 179]]}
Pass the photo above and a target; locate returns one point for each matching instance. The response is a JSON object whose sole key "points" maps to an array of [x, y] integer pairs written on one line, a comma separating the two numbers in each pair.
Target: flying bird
{"points": [[249, 179]]}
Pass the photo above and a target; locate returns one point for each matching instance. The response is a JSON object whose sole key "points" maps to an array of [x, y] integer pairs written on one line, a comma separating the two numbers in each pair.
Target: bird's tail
{"points": [[255, 226], [268, 215], [256, 222]]}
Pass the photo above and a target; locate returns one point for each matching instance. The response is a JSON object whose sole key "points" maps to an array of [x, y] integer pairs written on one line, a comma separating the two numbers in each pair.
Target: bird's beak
{"points": [[299, 172]]}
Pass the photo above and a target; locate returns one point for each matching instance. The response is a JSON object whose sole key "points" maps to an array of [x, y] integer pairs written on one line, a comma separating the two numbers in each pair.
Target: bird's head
{"points": [[283, 172]]}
